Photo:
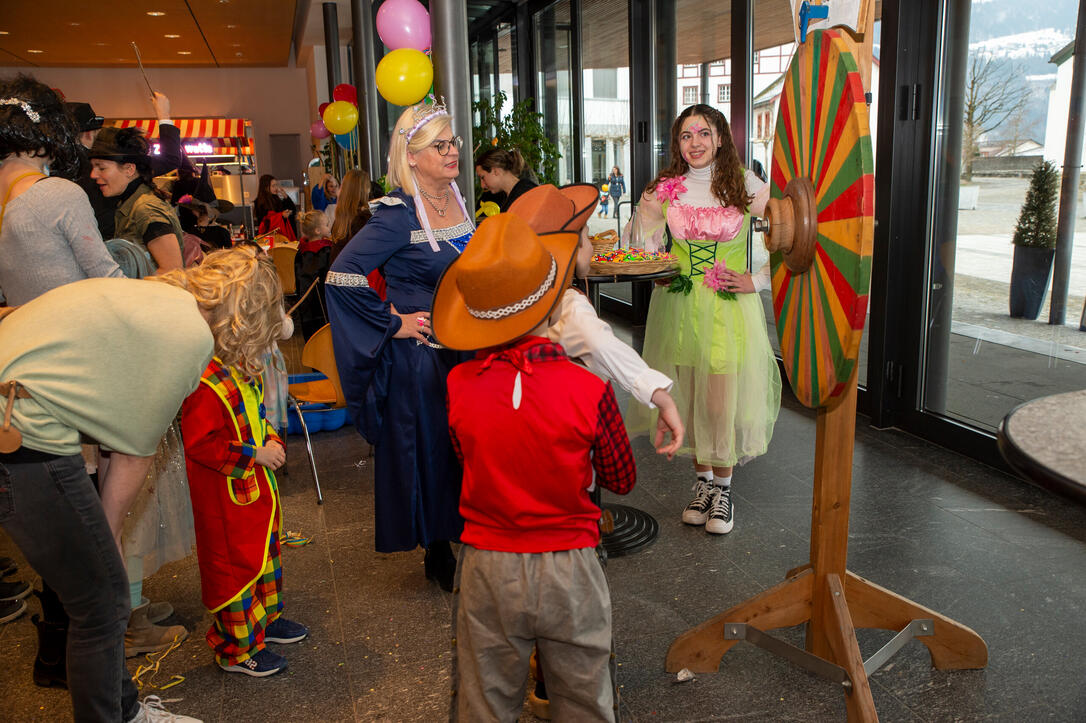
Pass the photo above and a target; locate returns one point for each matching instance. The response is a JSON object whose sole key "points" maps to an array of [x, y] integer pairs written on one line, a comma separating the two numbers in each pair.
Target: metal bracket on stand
{"points": [[798, 656], [920, 628], [823, 668]]}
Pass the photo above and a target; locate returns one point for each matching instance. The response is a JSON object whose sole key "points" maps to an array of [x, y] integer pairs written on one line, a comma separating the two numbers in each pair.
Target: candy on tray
{"points": [[632, 255]]}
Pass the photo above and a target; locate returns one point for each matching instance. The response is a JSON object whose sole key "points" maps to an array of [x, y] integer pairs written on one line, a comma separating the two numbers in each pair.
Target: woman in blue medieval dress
{"points": [[393, 373]]}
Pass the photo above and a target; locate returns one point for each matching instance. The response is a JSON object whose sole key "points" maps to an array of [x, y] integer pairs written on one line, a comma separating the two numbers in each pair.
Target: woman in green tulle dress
{"points": [[707, 329]]}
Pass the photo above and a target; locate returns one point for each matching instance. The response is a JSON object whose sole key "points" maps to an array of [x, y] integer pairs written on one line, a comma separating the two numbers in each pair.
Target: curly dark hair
{"points": [[727, 184], [55, 135]]}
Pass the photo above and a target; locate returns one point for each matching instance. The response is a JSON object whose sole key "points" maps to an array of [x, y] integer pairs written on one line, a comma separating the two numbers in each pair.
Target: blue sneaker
{"points": [[285, 631], [261, 665]]}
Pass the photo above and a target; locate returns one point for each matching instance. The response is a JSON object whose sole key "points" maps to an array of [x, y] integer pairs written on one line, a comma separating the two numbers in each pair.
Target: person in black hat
{"points": [[87, 120], [170, 156], [121, 166]]}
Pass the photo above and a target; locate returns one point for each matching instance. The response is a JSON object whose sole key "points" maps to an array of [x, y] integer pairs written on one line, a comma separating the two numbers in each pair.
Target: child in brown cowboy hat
{"points": [[530, 427], [588, 339]]}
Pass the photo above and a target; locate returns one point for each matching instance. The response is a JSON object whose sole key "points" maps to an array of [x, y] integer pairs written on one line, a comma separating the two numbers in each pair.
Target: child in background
{"points": [[529, 426], [230, 452], [311, 264], [316, 232], [604, 199]]}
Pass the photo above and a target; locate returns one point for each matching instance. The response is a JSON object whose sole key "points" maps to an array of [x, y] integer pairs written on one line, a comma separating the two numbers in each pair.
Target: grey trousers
{"points": [[503, 603]]}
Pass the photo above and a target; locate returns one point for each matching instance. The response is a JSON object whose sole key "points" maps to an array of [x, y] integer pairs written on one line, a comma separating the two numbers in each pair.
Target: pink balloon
{"points": [[317, 130], [404, 24]]}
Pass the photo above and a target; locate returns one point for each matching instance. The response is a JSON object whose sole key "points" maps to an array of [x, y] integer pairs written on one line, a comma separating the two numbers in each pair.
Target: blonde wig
{"points": [[239, 289], [399, 170]]}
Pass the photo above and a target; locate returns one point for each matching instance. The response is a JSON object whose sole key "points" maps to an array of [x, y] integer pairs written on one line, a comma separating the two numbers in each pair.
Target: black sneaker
{"points": [[261, 665], [11, 609], [13, 590], [720, 520], [7, 566], [697, 512], [282, 631]]}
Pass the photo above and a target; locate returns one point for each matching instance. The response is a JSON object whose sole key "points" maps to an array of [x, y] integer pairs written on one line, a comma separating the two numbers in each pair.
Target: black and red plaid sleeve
{"points": [[612, 457]]}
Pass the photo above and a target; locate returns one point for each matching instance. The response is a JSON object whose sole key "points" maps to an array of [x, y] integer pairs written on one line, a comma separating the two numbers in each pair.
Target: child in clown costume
{"points": [[707, 329], [231, 452]]}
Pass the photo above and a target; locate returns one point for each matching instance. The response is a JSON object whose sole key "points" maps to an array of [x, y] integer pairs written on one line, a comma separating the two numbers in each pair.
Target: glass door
{"points": [[553, 43], [1001, 112]]}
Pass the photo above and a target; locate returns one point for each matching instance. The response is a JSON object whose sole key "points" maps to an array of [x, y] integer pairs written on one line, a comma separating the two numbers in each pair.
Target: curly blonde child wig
{"points": [[239, 292]]}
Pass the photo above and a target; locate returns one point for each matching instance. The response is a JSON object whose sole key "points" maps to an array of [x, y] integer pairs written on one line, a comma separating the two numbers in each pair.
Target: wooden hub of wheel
{"points": [[793, 225]]}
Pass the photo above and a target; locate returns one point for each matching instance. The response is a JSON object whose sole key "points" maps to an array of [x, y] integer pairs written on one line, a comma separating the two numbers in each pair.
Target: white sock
{"points": [[724, 482], [706, 477]]}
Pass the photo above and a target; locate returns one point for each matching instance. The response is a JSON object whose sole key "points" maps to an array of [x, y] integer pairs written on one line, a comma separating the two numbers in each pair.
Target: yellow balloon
{"points": [[340, 117], [404, 76]]}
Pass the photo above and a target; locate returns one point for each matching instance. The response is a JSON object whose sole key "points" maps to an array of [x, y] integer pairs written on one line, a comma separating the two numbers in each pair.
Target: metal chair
{"points": [[317, 354]]}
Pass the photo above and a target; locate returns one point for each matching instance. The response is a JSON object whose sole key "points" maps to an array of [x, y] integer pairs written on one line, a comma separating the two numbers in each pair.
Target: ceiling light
{"points": [[101, 45], [155, 13], [184, 52], [171, 35], [4, 32], [231, 27], [35, 51], [74, 25]]}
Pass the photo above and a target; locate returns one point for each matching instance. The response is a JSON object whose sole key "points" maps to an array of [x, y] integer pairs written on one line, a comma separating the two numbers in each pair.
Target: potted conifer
{"points": [[1034, 243]]}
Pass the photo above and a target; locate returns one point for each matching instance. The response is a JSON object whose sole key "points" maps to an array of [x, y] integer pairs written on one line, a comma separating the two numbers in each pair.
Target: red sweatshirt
{"points": [[528, 462]]}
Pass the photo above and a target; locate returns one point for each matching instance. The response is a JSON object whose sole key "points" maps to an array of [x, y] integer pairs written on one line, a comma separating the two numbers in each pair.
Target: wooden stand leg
{"points": [[701, 648], [953, 646], [841, 637]]}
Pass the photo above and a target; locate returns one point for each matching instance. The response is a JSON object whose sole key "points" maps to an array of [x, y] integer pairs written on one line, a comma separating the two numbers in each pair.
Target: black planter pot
{"points": [[1029, 280]]}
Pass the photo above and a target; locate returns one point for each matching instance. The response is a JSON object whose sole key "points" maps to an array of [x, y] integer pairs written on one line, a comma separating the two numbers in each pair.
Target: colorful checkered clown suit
{"points": [[235, 506]]}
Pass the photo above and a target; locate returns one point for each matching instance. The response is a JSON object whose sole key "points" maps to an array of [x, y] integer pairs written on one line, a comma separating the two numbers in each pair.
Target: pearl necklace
{"points": [[441, 197]]}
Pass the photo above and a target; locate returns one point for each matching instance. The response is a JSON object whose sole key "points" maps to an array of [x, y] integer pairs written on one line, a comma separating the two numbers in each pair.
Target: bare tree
{"points": [[994, 91]]}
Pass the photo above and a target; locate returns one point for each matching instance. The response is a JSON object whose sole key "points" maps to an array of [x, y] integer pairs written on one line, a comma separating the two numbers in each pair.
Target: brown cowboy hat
{"points": [[505, 284], [548, 208]]}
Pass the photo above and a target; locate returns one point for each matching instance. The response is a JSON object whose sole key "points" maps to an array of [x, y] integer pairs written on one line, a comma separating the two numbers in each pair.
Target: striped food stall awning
{"points": [[193, 127]]}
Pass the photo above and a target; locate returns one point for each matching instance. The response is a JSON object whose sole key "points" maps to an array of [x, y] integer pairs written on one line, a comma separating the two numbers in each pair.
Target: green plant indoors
{"points": [[521, 129], [1036, 227]]}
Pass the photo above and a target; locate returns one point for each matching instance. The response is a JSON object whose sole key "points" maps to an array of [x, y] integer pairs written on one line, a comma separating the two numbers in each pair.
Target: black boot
{"points": [[49, 666], [440, 564]]}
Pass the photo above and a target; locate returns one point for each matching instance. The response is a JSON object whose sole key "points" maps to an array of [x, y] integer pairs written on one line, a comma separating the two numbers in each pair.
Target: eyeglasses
{"points": [[443, 146]]}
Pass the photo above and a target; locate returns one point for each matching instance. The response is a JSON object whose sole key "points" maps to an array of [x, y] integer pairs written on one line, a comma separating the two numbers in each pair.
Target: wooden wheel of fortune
{"points": [[819, 229], [821, 217]]}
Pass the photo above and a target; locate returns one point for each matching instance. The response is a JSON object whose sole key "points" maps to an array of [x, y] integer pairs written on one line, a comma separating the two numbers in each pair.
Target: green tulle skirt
{"points": [[727, 386]]}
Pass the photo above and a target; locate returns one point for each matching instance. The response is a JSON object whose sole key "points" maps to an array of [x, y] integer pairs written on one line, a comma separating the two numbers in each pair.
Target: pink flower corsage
{"points": [[668, 189], [714, 279]]}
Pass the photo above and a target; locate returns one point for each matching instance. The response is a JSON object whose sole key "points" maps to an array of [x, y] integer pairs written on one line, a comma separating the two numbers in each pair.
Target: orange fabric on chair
{"points": [[283, 256], [317, 354]]}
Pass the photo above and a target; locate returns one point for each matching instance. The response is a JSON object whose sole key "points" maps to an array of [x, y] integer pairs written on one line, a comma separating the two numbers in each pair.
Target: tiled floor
{"points": [[992, 552]]}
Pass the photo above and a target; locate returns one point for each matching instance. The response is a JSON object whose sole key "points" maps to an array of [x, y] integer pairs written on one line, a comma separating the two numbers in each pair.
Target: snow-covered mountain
{"points": [[1040, 44]]}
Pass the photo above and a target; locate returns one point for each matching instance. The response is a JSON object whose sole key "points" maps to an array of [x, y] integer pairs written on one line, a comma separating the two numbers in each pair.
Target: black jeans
{"points": [[52, 512]]}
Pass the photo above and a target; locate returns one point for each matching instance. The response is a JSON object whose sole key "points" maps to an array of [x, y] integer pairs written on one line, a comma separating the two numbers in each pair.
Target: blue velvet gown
{"points": [[395, 388]]}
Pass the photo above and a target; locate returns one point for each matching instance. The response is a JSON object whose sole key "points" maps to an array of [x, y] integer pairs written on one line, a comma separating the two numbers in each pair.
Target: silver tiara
{"points": [[424, 113], [30, 112]]}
